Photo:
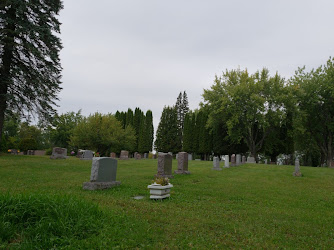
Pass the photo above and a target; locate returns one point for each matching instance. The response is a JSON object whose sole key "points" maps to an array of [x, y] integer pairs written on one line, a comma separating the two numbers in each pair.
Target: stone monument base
{"points": [[216, 168], [297, 174], [100, 185], [181, 172]]}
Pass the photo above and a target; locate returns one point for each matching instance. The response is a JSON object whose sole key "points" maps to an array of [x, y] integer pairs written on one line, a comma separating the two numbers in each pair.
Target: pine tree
{"points": [[185, 108], [29, 57]]}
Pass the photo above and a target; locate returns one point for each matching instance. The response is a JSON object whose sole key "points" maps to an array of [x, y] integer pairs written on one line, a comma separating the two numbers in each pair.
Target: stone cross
{"points": [[227, 161], [103, 174], [216, 163], [297, 172], [182, 163], [164, 165], [238, 160], [59, 153]]}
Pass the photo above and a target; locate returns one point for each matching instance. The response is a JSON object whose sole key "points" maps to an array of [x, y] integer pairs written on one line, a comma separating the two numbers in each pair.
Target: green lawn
{"points": [[250, 206]]}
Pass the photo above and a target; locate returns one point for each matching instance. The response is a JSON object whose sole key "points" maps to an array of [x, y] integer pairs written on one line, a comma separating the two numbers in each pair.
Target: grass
{"points": [[250, 206]]}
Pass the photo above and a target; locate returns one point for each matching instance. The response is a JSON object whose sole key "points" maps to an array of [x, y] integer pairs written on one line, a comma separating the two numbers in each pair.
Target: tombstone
{"points": [[227, 161], [170, 153], [216, 163], [182, 163], [103, 174], [124, 155], [59, 153], [297, 172], [87, 155], [177, 156], [30, 152], [238, 160], [13, 151], [138, 156], [190, 157], [113, 155], [233, 164], [164, 165], [145, 156], [266, 161], [135, 155], [243, 161], [39, 152], [250, 159]]}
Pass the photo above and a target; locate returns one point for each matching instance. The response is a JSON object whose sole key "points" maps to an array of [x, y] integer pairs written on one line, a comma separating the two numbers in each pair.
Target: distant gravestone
{"points": [[216, 163], [227, 161], [87, 155], [250, 159], [103, 174], [233, 160], [265, 161], [243, 161], [124, 155], [59, 153], [113, 155], [30, 152], [39, 152], [238, 160], [182, 163], [13, 151], [145, 155], [164, 165], [170, 153], [297, 172], [190, 157], [138, 156], [177, 156], [135, 155]]}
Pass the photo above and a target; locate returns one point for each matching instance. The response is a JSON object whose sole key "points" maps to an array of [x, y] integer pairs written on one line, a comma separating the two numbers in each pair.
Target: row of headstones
{"points": [[61, 153], [236, 160]]}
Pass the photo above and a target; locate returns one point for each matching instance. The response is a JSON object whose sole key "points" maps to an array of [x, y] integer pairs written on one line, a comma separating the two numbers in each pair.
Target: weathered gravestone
{"points": [[216, 163], [39, 152], [145, 155], [13, 151], [30, 152], [243, 161], [164, 165], [113, 155], [190, 157], [124, 155], [87, 155], [103, 174], [138, 156], [250, 159], [177, 156], [233, 160], [182, 163], [238, 160], [135, 155], [227, 161], [59, 153], [265, 161], [297, 172]]}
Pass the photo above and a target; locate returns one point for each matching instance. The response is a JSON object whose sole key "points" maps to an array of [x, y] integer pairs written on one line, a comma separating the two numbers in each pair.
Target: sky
{"points": [[130, 53]]}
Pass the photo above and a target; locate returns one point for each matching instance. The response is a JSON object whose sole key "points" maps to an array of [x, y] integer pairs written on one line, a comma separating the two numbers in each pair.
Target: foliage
{"points": [[103, 134], [29, 55], [163, 181]]}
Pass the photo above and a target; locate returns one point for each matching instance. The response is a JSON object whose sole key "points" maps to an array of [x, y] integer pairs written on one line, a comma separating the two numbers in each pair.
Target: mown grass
{"points": [[250, 206]]}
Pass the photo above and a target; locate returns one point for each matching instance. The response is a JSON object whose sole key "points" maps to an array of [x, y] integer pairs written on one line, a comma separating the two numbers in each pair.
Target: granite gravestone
{"points": [[87, 155], [216, 163], [243, 161], [250, 159], [113, 155], [297, 172], [59, 153], [103, 174], [190, 157], [238, 160], [138, 156], [164, 165], [227, 161], [233, 163], [124, 155], [182, 163]]}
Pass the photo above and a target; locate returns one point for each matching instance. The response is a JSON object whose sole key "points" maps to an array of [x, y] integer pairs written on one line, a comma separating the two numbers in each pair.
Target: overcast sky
{"points": [[130, 53]]}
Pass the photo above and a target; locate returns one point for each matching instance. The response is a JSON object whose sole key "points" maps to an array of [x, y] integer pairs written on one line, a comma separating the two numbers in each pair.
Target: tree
{"points": [[314, 121], [145, 142], [29, 56], [168, 137], [251, 105], [103, 134]]}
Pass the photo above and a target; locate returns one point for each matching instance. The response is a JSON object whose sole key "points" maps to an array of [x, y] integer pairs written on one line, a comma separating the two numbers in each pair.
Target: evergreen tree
{"points": [[129, 118], [29, 57], [185, 108], [149, 130], [188, 133]]}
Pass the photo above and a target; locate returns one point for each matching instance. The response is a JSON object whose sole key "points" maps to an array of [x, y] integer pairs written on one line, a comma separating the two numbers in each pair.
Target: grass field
{"points": [[250, 206]]}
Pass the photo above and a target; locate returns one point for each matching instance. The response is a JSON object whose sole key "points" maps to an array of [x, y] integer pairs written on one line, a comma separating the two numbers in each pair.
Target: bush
{"points": [[38, 221]]}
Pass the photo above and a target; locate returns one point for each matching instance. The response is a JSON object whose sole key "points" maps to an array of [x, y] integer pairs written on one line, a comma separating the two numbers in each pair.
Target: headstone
{"points": [[164, 165], [13, 151], [135, 155], [124, 155], [170, 153], [233, 161], [177, 156], [138, 156], [39, 152], [87, 155], [216, 163], [113, 155], [297, 172], [103, 174], [30, 152], [190, 157], [250, 159], [243, 161], [59, 153], [145, 156], [182, 163], [227, 161], [238, 160], [265, 161]]}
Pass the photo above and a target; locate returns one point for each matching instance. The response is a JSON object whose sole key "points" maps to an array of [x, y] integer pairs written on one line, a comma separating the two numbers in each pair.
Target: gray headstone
{"points": [[190, 157], [177, 156], [135, 155], [59, 153], [238, 160], [227, 161], [243, 161], [250, 159], [182, 163], [165, 165], [265, 161], [87, 155], [297, 172], [124, 155], [145, 156], [216, 163], [103, 174], [138, 156], [113, 155], [13, 151], [233, 160]]}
